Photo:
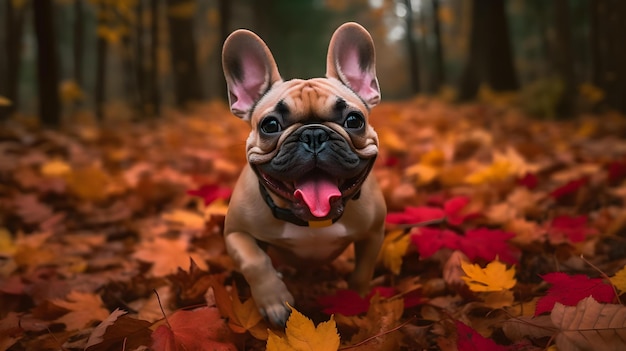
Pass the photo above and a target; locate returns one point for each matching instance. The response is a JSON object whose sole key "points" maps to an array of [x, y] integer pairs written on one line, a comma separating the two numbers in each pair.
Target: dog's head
{"points": [[311, 143]]}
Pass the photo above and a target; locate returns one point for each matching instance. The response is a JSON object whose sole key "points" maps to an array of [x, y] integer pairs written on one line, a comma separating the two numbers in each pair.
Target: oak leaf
{"points": [[197, 330], [494, 277], [569, 290], [302, 335], [590, 326]]}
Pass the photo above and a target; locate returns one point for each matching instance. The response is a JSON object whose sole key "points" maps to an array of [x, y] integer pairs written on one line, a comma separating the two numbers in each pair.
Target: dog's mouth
{"points": [[317, 190]]}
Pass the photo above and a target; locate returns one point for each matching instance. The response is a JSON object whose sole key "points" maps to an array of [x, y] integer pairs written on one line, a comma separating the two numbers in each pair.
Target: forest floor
{"points": [[504, 233]]}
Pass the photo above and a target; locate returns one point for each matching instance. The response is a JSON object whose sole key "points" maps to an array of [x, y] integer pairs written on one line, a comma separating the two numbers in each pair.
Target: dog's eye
{"points": [[270, 125], [354, 121]]}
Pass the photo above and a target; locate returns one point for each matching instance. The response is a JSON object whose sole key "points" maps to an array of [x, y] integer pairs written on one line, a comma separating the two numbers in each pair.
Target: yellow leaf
{"points": [[494, 277], [83, 308], [7, 244], [70, 91], [424, 174], [393, 249], [5, 101], [619, 280], [55, 168], [301, 334], [246, 317], [186, 218], [391, 141], [218, 208], [182, 10], [89, 183]]}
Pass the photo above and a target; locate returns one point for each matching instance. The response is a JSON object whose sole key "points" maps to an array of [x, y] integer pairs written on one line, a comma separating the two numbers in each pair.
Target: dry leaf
{"points": [[167, 255], [393, 249], [83, 308], [619, 280], [590, 326], [494, 277], [302, 335]]}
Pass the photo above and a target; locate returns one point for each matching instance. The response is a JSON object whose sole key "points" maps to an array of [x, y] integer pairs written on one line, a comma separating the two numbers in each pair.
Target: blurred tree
{"points": [[187, 86], [47, 63], [608, 25], [14, 23], [101, 57], [490, 59], [411, 47], [225, 10], [561, 56], [439, 77], [78, 47], [146, 64]]}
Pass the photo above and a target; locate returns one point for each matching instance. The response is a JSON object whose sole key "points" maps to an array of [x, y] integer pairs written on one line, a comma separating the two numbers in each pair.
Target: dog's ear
{"points": [[250, 70], [352, 60]]}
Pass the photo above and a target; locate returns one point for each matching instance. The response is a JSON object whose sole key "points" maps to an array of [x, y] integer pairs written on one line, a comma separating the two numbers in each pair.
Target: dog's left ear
{"points": [[352, 60]]}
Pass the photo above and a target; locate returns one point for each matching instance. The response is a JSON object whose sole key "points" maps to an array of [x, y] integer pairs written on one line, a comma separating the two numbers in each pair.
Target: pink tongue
{"points": [[317, 191]]}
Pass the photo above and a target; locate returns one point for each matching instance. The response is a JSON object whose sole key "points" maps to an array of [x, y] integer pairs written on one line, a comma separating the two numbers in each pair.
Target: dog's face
{"points": [[310, 142]]}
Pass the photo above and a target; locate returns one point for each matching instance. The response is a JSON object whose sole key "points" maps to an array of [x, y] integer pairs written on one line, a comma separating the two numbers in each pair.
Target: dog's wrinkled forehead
{"points": [[305, 101]]}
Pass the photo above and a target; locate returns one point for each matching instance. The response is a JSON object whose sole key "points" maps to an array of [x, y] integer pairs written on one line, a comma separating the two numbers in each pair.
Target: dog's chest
{"points": [[318, 244]]}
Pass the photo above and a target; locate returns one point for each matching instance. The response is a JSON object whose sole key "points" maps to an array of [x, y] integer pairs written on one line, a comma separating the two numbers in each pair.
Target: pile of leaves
{"points": [[503, 233]]}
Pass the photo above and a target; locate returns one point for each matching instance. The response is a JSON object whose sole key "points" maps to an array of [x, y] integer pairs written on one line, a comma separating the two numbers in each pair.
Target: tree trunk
{"points": [[14, 25], [140, 64], [101, 60], [183, 50], [153, 76], [47, 63], [439, 75], [562, 57], [411, 47], [79, 27], [609, 51], [225, 13], [490, 58]]}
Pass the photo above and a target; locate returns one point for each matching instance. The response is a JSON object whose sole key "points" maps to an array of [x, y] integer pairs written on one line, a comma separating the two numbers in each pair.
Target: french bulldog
{"points": [[306, 191]]}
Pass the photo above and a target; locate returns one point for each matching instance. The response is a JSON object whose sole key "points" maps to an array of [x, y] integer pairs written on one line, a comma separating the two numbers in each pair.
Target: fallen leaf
{"points": [[197, 330], [167, 255], [83, 308], [301, 334], [494, 277], [619, 280], [568, 228], [590, 326], [468, 339], [211, 192], [393, 250], [377, 328], [569, 290]]}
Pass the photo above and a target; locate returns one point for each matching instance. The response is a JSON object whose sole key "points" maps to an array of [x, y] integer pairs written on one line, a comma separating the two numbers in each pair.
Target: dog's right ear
{"points": [[250, 70]]}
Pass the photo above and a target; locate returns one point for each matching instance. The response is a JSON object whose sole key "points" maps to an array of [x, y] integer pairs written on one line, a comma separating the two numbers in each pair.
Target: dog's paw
{"points": [[272, 299]]}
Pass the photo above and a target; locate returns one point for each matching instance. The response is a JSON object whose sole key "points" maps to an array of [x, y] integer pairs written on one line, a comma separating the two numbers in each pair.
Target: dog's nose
{"points": [[314, 139]]}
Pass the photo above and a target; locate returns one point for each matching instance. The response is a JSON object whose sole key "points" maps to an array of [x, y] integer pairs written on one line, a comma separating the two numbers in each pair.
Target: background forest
{"points": [[131, 58]]}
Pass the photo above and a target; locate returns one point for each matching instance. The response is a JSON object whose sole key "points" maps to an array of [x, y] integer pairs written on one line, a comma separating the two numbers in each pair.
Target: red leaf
{"points": [[430, 240], [569, 290], [468, 339], [414, 215], [350, 303], [573, 228], [569, 188], [202, 329], [617, 171], [452, 208], [529, 180], [211, 193], [487, 244]]}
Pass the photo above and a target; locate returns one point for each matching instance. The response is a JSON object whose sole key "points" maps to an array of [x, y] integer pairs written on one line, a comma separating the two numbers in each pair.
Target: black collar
{"points": [[287, 215]]}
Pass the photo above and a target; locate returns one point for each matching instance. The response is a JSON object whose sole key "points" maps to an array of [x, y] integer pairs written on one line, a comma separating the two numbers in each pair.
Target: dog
{"points": [[306, 191]]}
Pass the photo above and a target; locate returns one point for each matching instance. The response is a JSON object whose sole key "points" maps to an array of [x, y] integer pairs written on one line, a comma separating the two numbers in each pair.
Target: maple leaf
{"points": [[494, 277], [349, 302], [246, 317], [573, 229], [55, 168], [382, 317], [619, 280], [415, 215], [529, 180], [488, 244], [569, 188], [590, 326], [301, 335], [616, 171], [468, 339], [430, 240], [83, 308], [197, 330], [119, 331], [166, 255], [211, 192], [569, 290], [393, 249], [453, 207]]}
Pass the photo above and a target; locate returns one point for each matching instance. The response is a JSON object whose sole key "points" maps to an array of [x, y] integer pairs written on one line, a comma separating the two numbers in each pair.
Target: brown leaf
{"points": [[119, 331], [590, 326]]}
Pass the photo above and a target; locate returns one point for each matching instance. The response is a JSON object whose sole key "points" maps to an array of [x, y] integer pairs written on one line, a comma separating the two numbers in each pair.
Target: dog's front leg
{"points": [[268, 290], [366, 254]]}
